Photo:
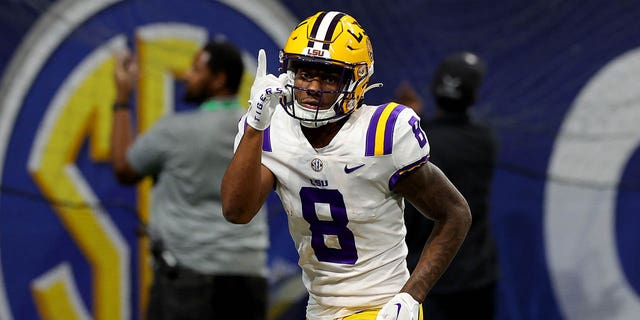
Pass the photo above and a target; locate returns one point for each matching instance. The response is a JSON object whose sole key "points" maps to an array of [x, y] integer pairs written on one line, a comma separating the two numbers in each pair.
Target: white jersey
{"points": [[347, 224]]}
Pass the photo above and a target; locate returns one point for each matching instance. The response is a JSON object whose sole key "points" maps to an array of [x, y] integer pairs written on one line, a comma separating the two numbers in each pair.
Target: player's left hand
{"points": [[401, 307]]}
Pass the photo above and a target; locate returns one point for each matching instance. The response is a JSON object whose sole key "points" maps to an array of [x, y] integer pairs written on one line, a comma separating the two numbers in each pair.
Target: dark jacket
{"points": [[466, 152]]}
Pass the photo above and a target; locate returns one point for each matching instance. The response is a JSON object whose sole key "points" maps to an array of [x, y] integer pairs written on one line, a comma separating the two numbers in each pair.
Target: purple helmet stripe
{"points": [[400, 173], [315, 28], [331, 29]]}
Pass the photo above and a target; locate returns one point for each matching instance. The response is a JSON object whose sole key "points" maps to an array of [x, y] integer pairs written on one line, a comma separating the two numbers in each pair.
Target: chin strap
{"points": [[373, 86]]}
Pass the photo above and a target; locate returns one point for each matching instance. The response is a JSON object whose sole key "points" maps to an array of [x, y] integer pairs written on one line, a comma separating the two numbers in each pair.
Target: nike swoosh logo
{"points": [[399, 306], [352, 169]]}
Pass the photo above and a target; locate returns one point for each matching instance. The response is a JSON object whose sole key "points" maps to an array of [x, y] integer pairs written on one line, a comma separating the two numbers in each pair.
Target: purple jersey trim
{"points": [[371, 131], [400, 173], [266, 138], [389, 126]]}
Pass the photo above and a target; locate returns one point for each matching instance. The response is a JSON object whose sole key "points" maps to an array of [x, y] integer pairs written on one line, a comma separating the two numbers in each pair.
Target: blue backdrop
{"points": [[561, 90]]}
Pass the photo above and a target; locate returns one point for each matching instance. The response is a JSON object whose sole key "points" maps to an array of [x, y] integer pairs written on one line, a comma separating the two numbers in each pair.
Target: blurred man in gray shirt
{"points": [[204, 266]]}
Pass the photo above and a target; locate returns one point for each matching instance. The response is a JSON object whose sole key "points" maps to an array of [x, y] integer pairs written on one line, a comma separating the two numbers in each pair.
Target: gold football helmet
{"points": [[333, 39]]}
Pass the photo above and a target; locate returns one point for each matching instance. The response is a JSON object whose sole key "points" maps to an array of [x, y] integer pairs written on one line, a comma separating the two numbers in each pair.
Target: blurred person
{"points": [[204, 266], [466, 151], [406, 95], [342, 170]]}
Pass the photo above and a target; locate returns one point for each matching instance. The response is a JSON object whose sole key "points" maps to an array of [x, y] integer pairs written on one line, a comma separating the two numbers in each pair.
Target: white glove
{"points": [[266, 92], [401, 307]]}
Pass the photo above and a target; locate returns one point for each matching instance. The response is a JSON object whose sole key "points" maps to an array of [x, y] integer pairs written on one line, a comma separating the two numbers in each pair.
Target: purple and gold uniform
{"points": [[345, 220]]}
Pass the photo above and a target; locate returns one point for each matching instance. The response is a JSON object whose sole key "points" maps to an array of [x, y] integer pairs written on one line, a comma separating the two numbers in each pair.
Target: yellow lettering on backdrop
{"points": [[78, 110], [81, 109], [161, 60], [58, 282]]}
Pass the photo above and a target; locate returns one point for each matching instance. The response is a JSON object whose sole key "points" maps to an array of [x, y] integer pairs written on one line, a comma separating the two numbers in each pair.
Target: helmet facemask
{"points": [[345, 101]]}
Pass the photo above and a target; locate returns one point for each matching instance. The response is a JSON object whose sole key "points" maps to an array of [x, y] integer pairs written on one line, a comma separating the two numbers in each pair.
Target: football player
{"points": [[342, 170]]}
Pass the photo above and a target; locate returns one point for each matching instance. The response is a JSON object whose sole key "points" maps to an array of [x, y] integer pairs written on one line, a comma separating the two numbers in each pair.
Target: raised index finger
{"points": [[262, 64]]}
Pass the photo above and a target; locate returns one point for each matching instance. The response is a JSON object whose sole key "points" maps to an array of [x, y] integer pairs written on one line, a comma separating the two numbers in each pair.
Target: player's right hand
{"points": [[266, 92], [401, 307]]}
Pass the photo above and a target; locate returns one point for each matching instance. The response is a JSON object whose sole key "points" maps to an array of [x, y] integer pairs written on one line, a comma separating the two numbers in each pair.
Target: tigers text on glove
{"points": [[265, 95]]}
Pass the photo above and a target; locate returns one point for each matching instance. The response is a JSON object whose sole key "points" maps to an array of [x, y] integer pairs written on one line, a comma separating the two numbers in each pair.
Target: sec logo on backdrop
{"points": [[68, 230]]}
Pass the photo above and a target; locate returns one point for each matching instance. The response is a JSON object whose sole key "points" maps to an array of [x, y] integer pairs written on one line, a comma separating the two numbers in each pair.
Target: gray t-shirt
{"points": [[188, 153]]}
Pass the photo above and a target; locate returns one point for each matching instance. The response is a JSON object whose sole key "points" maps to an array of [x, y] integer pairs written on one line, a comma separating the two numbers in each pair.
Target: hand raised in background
{"points": [[125, 74]]}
